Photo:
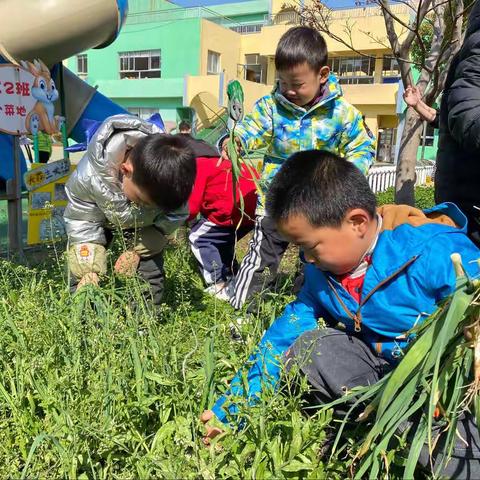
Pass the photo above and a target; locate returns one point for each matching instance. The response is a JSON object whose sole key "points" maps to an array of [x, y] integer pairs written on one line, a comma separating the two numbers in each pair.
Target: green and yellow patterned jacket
{"points": [[284, 128]]}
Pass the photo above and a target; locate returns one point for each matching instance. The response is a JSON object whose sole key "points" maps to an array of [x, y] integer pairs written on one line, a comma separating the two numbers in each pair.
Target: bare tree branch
{"points": [[423, 6], [383, 43], [318, 17], [436, 49], [384, 5], [398, 49]]}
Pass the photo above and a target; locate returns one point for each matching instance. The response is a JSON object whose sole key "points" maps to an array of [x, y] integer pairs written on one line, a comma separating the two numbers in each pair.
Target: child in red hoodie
{"points": [[219, 223]]}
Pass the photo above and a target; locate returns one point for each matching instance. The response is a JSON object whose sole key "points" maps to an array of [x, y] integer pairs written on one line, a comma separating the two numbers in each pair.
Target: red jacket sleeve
{"points": [[196, 197]]}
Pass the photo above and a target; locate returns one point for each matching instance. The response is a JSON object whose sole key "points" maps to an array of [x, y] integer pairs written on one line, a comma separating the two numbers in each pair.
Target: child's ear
{"points": [[324, 73], [126, 168], [359, 219]]}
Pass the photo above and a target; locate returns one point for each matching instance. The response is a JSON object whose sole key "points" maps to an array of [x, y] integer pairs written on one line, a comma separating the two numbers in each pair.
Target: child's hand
{"points": [[224, 149], [90, 278], [225, 155], [127, 263], [211, 432]]}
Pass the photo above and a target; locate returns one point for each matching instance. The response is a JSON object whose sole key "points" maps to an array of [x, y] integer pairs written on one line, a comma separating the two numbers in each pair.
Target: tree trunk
{"points": [[407, 159]]}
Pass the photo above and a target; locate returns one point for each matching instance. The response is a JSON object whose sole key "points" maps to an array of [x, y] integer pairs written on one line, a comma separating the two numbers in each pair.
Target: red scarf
{"points": [[352, 281]]}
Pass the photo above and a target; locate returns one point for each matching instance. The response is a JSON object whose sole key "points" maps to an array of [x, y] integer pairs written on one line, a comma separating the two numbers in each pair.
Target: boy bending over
{"points": [[371, 275], [133, 178]]}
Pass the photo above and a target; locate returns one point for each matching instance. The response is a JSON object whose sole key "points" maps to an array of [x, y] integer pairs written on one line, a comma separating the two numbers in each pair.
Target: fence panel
{"points": [[381, 178]]}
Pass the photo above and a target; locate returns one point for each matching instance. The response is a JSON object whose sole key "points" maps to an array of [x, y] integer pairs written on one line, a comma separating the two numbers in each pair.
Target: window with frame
{"points": [[255, 68], [428, 135], [143, 112], [213, 63], [82, 65], [141, 64], [246, 29], [353, 70], [390, 70]]}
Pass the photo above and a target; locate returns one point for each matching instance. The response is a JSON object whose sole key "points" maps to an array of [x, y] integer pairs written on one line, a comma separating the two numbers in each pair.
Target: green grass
{"points": [[98, 385], [424, 197]]}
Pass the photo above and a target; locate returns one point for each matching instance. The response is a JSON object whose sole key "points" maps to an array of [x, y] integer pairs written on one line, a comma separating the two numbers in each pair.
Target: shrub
{"points": [[424, 197]]}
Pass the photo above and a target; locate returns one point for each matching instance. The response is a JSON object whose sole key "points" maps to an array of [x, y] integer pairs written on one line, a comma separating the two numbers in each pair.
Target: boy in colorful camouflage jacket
{"points": [[305, 111]]}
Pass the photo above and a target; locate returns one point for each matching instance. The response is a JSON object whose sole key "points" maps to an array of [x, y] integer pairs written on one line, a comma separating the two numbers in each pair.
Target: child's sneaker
{"points": [[221, 291]]}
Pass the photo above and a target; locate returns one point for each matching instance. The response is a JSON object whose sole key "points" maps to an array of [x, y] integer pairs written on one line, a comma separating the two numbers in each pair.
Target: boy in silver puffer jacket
{"points": [[134, 178]]}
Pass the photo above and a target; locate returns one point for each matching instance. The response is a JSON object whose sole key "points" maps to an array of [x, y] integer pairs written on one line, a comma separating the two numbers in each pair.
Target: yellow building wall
{"points": [[376, 101], [383, 94], [253, 91], [265, 42], [372, 123], [388, 121], [271, 71], [361, 24], [224, 41], [202, 94], [378, 66]]}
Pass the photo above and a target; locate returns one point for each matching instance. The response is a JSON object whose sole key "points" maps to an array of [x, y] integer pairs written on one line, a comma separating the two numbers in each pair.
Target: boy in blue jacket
{"points": [[370, 278]]}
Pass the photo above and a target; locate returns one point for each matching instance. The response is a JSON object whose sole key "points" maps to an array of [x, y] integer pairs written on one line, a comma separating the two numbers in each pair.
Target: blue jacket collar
{"points": [[397, 249]]}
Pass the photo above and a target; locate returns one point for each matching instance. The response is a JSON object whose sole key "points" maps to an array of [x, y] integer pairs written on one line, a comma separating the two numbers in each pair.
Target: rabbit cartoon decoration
{"points": [[45, 92]]}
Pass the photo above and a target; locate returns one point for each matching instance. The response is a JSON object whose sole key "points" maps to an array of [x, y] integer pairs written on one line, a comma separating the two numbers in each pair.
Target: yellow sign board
{"points": [[46, 205]]}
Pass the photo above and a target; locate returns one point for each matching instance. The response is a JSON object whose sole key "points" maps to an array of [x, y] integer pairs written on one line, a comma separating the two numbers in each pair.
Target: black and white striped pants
{"points": [[266, 250]]}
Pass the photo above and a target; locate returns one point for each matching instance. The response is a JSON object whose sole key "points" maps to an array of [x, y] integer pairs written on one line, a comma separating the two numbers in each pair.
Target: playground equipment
{"points": [[53, 31]]}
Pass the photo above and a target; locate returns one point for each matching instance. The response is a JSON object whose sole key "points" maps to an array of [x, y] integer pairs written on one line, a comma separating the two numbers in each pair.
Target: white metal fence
{"points": [[381, 178]]}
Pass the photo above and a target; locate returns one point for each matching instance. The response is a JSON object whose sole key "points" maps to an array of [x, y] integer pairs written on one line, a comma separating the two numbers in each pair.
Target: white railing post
{"points": [[382, 178]]}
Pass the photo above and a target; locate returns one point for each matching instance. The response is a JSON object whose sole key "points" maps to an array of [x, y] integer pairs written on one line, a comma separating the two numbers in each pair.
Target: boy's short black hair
{"points": [[299, 45], [184, 126], [164, 167], [321, 186]]}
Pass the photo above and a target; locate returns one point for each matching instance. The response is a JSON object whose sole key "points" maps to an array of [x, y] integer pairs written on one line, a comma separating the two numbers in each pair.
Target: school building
{"points": [[178, 61]]}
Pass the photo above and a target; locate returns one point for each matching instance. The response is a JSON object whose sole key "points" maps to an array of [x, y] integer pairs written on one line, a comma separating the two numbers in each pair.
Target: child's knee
{"points": [[320, 345]]}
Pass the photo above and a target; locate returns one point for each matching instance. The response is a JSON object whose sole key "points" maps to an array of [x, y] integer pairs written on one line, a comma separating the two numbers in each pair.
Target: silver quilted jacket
{"points": [[94, 190]]}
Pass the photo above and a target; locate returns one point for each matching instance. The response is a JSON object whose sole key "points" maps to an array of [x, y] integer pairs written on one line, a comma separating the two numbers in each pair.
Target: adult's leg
{"points": [[265, 250]]}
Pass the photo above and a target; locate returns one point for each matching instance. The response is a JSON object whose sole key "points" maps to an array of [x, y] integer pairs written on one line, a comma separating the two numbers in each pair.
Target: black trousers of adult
{"points": [[265, 251]]}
